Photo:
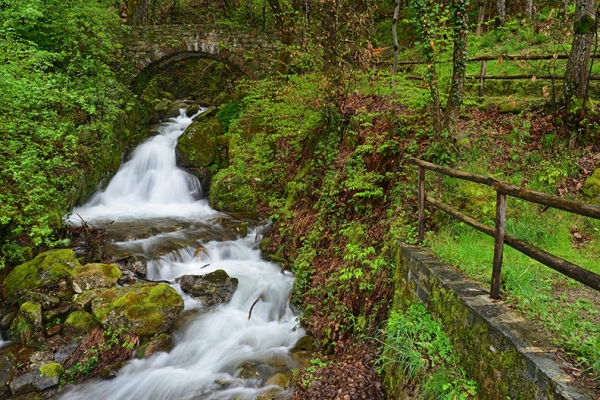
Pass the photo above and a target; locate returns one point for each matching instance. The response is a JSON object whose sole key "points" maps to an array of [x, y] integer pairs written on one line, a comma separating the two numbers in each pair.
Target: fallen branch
{"points": [[252, 307]]}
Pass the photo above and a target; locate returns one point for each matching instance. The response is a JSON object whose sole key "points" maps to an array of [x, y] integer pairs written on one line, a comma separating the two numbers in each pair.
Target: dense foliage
{"points": [[60, 109]]}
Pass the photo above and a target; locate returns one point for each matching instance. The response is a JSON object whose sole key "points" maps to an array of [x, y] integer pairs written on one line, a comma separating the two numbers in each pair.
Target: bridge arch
{"points": [[152, 48]]}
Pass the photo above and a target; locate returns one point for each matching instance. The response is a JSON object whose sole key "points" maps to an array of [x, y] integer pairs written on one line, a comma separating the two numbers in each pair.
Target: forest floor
{"points": [[350, 373]]}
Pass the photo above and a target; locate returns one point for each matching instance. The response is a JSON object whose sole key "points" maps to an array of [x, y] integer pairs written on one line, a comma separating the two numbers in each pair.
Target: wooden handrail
{"points": [[503, 189]]}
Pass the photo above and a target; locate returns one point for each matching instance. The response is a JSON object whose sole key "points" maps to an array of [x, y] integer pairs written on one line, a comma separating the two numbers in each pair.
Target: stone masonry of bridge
{"points": [[152, 48]]}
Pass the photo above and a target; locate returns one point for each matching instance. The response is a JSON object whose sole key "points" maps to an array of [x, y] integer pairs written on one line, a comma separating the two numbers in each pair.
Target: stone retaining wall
{"points": [[496, 347]]}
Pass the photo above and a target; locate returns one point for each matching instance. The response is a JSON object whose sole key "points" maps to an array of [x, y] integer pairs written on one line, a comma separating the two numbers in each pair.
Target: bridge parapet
{"points": [[156, 46]]}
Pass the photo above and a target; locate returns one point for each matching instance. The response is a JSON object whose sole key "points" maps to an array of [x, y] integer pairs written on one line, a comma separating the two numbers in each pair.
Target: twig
{"points": [[252, 307]]}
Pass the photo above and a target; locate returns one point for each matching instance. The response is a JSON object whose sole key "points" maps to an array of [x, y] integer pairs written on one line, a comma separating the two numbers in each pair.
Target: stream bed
{"points": [[155, 210]]}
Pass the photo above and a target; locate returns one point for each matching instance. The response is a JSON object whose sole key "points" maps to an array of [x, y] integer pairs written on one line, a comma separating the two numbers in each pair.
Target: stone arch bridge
{"points": [[152, 48]]}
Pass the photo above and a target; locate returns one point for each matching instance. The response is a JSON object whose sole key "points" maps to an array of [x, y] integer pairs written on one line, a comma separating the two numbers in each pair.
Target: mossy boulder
{"points": [[143, 309], [27, 327], [162, 342], [83, 302], [198, 147], [95, 276], [38, 379], [8, 365], [591, 186], [79, 323], [47, 268], [213, 288]]}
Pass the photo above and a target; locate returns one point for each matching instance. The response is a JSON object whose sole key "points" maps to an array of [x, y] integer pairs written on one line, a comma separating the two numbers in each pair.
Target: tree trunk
{"points": [[460, 56], [138, 12], [285, 24], [529, 9], [395, 36], [500, 13], [577, 72], [481, 17], [329, 34]]}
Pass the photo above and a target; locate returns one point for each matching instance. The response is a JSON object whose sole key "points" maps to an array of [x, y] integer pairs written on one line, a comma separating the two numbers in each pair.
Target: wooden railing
{"points": [[482, 77], [503, 189]]}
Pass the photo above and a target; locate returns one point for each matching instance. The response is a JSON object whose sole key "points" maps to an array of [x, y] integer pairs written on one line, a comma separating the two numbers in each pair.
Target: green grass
{"points": [[416, 344], [535, 290]]}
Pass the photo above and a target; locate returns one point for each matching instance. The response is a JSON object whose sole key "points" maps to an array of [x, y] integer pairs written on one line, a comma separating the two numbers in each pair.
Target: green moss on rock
{"points": [[591, 187], [47, 267], [198, 147], [144, 309], [52, 369], [80, 323]]}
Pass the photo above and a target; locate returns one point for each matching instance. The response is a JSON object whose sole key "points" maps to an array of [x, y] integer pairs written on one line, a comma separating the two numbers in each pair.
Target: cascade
{"points": [[215, 346]]}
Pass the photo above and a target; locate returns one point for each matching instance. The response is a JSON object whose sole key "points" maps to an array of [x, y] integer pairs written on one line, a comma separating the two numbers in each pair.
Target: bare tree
{"points": [[500, 12], [577, 72], [395, 35], [459, 17], [529, 9], [481, 17]]}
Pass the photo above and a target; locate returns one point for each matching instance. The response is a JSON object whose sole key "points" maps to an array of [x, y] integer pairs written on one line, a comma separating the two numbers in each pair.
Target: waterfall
{"points": [[212, 348]]}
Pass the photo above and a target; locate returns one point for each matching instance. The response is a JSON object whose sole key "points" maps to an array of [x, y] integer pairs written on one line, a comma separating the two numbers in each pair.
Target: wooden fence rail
{"points": [[483, 59], [503, 189]]}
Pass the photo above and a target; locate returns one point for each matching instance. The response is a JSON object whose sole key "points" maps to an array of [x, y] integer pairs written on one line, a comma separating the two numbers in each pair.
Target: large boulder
{"points": [[8, 365], [143, 309], [591, 186], [79, 323], [38, 379], [46, 269], [213, 288], [95, 276], [198, 147], [27, 328]]}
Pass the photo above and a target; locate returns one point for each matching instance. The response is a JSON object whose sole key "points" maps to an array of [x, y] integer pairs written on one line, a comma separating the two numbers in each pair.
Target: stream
{"points": [[153, 209]]}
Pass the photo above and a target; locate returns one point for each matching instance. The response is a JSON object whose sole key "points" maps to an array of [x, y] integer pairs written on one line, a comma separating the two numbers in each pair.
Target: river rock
{"points": [[79, 323], [142, 309], [95, 276], [8, 364], [83, 302], [27, 327], [138, 265], [47, 268], [38, 379], [198, 147], [162, 342], [591, 186], [213, 288]]}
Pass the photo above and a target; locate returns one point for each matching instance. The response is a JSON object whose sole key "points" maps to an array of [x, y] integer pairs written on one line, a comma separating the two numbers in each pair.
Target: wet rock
{"points": [[83, 302], [47, 268], [7, 319], [162, 342], [37, 379], [193, 109], [142, 309], [64, 352], [40, 358], [95, 276], [57, 313], [210, 112], [213, 288], [79, 323], [198, 147], [175, 110], [27, 327], [47, 302], [111, 371], [8, 365], [136, 264]]}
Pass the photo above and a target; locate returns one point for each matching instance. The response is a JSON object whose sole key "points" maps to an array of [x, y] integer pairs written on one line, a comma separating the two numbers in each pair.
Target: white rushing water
{"points": [[212, 347]]}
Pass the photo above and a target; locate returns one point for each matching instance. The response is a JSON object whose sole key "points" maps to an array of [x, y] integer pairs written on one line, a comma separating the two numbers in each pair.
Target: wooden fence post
{"points": [[498, 244], [421, 204]]}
